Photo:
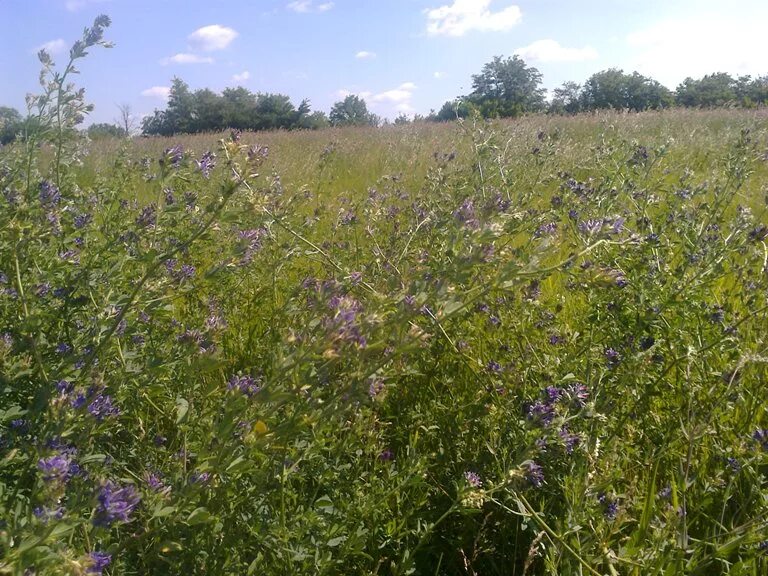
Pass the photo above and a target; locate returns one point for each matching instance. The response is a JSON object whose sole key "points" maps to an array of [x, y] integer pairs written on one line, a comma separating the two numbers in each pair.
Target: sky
{"points": [[401, 56]]}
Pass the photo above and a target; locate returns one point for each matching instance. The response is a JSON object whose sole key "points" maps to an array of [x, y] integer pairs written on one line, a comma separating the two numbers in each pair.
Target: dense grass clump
{"points": [[534, 347]]}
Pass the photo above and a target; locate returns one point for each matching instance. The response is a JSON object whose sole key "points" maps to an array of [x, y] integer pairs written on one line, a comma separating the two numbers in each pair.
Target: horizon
{"points": [[402, 57]]}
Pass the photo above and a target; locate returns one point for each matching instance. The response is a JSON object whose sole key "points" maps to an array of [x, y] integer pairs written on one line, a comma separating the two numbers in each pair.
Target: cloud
{"points": [[439, 75], [673, 49], [343, 93], [365, 55], [551, 51], [306, 6], [186, 58], [211, 38], [75, 5], [467, 15], [52, 46], [157, 92], [402, 93], [242, 77]]}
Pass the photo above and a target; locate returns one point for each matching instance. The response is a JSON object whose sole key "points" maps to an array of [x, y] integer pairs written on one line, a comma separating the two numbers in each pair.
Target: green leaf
{"points": [[163, 512], [198, 516], [182, 409]]}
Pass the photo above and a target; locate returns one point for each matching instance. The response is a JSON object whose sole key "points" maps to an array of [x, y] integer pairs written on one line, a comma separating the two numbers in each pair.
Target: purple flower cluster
{"points": [[102, 407], [46, 514], [58, 468], [473, 479], [609, 504], [206, 163], [49, 193], [466, 214], [247, 385], [147, 217], [345, 323], [534, 473], [761, 436], [250, 243], [115, 504], [173, 156], [98, 562]]}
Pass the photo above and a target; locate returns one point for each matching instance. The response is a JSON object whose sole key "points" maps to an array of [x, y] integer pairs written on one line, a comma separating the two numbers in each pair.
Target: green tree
{"points": [[712, 90], [208, 111], [105, 130], [507, 87], [566, 99], [352, 111], [613, 89], [239, 106], [11, 123]]}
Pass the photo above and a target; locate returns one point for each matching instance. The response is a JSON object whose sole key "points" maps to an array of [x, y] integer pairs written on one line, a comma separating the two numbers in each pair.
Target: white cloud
{"points": [[242, 77], [75, 5], [551, 51], [306, 6], [211, 38], [401, 95], [52, 46], [439, 75], [466, 15], [365, 55], [186, 58], [343, 93], [157, 92], [673, 49]]}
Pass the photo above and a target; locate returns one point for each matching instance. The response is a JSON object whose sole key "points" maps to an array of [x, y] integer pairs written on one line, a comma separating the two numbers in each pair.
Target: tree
{"points": [[452, 110], [712, 90], [507, 88], [616, 90], [11, 124], [104, 130], [352, 111], [126, 120], [566, 99]]}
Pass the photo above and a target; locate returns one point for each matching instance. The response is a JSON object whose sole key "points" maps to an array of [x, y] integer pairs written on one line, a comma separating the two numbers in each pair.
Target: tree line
{"points": [[505, 87]]}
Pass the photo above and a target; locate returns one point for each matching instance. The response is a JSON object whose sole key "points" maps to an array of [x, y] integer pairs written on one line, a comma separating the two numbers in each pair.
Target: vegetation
{"points": [[530, 347]]}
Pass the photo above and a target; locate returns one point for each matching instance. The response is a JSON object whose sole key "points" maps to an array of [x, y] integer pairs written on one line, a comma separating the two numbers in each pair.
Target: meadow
{"points": [[534, 346]]}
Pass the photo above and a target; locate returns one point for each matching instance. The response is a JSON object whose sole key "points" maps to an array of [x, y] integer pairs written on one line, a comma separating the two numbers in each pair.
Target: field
{"points": [[534, 346]]}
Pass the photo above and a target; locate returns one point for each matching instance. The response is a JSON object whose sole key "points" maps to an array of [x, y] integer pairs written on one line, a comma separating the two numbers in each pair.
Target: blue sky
{"points": [[400, 55]]}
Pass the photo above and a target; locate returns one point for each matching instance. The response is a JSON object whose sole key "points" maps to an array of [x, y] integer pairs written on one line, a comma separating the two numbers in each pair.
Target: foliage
{"points": [[352, 111], [530, 347], [10, 124], [102, 130], [613, 89], [205, 111], [722, 89], [507, 87]]}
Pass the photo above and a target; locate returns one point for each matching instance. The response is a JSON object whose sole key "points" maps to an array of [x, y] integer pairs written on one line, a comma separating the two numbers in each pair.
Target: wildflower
{"points": [[246, 385], [46, 514], [147, 217], [761, 436], [493, 366], [465, 214], [49, 193], [473, 479], [665, 493], [612, 356], [101, 407], [57, 468], [155, 483], [547, 229], [375, 387], [206, 163], [734, 465], [570, 441], [199, 478], [173, 156], [115, 504], [82, 220], [387, 455], [610, 506], [98, 561], [534, 474], [63, 349]]}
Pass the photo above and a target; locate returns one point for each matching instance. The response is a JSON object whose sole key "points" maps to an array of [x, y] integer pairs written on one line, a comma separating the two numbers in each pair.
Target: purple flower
{"points": [[101, 407], [115, 504], [590, 227], [761, 436], [56, 468], [155, 483], [493, 366], [82, 220], [534, 473], [612, 356], [466, 214], [570, 441], [541, 413], [63, 349], [173, 156], [246, 385], [665, 493], [473, 479], [64, 387], [99, 561], [375, 387], [547, 229], [610, 506], [46, 514], [387, 455], [207, 163], [147, 217], [49, 193], [199, 478]]}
